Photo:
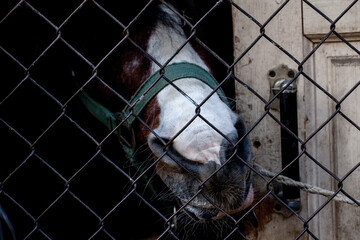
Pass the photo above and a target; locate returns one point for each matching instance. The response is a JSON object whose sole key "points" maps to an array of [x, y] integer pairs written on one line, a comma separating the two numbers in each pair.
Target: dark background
{"points": [[56, 181]]}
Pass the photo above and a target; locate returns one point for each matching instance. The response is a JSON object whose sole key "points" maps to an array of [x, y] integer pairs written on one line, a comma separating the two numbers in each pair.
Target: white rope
{"points": [[305, 187]]}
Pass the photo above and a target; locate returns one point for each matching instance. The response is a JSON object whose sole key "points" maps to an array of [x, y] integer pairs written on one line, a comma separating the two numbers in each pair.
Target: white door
{"points": [[335, 68]]}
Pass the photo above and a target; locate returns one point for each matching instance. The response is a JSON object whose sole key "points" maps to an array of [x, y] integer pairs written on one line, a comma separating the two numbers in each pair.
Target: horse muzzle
{"points": [[203, 210]]}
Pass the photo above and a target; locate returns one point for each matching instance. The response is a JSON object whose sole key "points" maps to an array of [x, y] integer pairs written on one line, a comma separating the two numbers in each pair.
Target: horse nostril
{"points": [[158, 148], [200, 170]]}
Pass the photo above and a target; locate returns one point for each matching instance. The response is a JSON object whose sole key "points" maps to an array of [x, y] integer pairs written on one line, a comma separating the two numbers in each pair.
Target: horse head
{"points": [[199, 143], [200, 146]]}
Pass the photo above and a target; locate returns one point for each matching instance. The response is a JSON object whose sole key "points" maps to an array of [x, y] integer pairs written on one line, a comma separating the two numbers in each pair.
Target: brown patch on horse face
{"points": [[150, 115], [128, 67]]}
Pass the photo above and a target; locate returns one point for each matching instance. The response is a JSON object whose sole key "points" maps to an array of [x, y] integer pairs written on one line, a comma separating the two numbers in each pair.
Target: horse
{"points": [[199, 146]]}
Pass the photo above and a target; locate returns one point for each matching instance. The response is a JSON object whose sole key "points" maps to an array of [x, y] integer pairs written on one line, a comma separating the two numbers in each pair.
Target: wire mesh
{"points": [[63, 174]]}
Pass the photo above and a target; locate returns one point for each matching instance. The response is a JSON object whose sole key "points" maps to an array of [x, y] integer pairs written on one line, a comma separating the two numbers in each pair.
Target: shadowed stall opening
{"points": [[179, 141]]}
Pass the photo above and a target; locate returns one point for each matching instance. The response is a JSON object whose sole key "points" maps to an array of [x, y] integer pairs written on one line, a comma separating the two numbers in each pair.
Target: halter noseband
{"points": [[147, 91]]}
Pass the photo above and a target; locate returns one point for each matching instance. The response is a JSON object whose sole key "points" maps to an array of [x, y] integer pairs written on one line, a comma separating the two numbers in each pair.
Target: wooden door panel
{"points": [[253, 70], [337, 145], [316, 26]]}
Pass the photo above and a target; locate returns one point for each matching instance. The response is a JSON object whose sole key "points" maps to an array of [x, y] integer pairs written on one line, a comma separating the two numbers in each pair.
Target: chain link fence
{"points": [[62, 174]]}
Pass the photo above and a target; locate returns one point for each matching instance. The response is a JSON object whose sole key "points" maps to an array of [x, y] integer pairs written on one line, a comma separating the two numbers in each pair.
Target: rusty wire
{"points": [[58, 107]]}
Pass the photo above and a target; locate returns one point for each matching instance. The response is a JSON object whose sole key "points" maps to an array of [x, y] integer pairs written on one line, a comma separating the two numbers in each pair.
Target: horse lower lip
{"points": [[208, 207]]}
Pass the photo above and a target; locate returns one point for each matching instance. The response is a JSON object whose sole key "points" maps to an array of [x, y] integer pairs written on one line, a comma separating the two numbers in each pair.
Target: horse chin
{"points": [[207, 212]]}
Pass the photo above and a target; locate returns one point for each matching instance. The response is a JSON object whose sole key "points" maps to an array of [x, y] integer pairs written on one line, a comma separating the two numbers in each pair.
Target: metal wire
{"points": [[33, 203]]}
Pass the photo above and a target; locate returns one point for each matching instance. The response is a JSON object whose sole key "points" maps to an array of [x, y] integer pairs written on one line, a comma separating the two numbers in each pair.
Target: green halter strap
{"points": [[155, 83], [145, 93]]}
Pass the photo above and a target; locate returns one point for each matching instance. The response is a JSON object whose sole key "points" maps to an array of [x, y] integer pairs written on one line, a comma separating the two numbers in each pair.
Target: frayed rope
{"points": [[306, 187]]}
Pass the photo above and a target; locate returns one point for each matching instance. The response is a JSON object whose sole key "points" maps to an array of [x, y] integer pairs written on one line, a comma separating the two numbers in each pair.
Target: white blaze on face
{"points": [[198, 142], [166, 40]]}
